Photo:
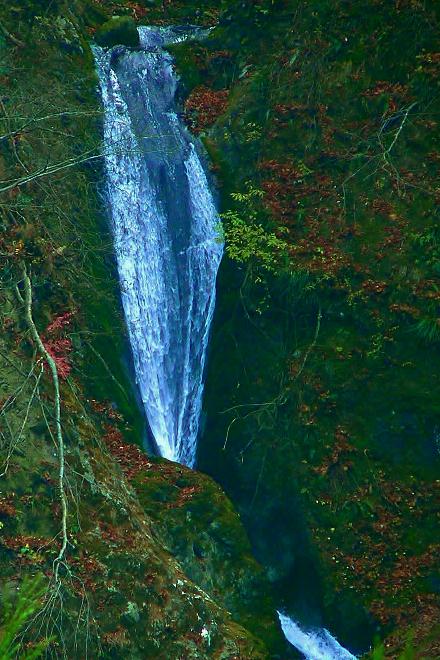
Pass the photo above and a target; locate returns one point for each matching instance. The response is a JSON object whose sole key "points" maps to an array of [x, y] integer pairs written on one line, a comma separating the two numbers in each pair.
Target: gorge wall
{"points": [[107, 529], [320, 416], [321, 397]]}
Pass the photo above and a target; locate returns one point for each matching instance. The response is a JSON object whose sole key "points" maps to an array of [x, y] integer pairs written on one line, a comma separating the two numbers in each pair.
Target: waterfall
{"points": [[168, 252], [317, 644], [165, 229]]}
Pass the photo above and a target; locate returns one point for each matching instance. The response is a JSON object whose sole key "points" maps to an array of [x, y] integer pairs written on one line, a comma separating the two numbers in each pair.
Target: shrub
{"points": [[246, 242]]}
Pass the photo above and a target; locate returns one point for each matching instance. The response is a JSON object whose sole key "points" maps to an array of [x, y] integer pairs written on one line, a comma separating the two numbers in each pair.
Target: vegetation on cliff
{"points": [[322, 400], [324, 416], [78, 498]]}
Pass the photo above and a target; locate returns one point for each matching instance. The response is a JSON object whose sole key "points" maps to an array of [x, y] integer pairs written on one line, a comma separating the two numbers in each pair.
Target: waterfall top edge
{"points": [[158, 37]]}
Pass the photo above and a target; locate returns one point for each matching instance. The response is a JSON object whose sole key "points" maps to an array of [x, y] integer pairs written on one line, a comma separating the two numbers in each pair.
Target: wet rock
{"points": [[118, 30]]}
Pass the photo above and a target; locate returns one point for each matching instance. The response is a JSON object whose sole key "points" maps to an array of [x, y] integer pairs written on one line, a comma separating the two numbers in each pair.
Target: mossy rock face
{"points": [[141, 601], [314, 472], [204, 533], [120, 30]]}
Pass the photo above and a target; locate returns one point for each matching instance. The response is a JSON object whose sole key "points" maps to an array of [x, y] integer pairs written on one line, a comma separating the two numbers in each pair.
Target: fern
{"points": [[15, 615], [428, 329]]}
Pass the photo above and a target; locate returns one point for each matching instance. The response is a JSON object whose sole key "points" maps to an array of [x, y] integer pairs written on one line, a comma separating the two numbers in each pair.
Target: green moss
{"points": [[140, 599], [118, 30], [205, 534], [185, 56]]}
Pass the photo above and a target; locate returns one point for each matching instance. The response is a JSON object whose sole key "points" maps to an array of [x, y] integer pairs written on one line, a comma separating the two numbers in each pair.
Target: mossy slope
{"points": [[128, 584]]}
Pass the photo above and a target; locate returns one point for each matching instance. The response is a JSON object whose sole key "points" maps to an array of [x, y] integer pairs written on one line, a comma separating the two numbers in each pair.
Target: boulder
{"points": [[119, 30]]}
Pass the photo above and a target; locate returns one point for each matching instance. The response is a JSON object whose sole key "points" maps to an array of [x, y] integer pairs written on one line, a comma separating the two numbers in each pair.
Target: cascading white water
{"points": [[316, 644], [165, 228]]}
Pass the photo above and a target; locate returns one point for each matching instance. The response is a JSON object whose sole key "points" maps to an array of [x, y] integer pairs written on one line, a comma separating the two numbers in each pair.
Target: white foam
{"points": [[317, 644]]}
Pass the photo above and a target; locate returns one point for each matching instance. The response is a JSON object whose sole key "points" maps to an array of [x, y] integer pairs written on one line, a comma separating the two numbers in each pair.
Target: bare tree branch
{"points": [[59, 434]]}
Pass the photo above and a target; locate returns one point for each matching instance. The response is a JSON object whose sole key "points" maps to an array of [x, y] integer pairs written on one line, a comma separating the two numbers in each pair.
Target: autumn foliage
{"points": [[59, 347], [204, 105]]}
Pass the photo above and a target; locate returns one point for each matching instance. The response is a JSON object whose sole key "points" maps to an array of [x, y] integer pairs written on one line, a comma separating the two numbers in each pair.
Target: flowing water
{"points": [[314, 644], [165, 229]]}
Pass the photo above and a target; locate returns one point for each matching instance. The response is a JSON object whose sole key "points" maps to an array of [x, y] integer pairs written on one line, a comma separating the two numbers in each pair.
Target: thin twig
{"points": [[11, 37], [312, 345], [107, 368]]}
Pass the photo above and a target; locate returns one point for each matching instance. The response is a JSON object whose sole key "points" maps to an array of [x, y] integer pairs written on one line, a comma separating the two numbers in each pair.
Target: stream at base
{"points": [[165, 229], [314, 644]]}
